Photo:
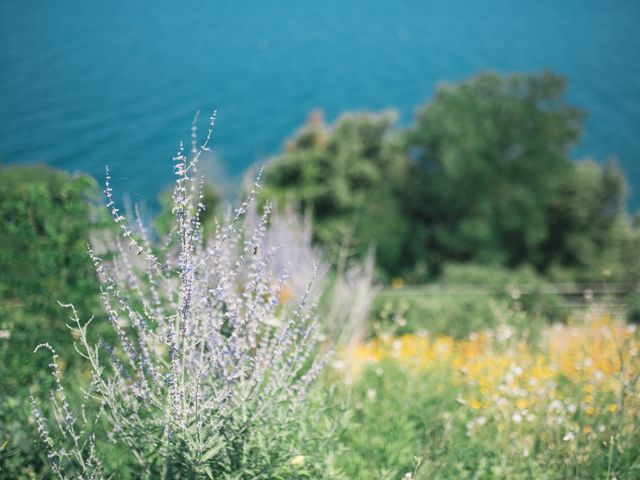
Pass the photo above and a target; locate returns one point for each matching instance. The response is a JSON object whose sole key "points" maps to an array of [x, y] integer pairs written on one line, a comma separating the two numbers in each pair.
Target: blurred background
{"points": [[487, 152], [88, 84]]}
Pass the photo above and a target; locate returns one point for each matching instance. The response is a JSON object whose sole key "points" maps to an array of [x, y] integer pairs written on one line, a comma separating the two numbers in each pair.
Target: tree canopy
{"points": [[484, 174], [351, 177]]}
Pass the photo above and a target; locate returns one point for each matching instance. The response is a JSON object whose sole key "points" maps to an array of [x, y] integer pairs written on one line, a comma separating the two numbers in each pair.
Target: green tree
{"points": [[351, 175], [483, 175], [488, 156], [590, 232]]}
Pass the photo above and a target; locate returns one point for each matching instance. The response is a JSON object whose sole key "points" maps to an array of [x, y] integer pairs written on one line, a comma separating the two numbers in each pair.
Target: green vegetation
{"points": [[482, 175], [469, 298], [164, 220], [492, 407], [482, 373], [46, 219], [490, 154], [351, 177]]}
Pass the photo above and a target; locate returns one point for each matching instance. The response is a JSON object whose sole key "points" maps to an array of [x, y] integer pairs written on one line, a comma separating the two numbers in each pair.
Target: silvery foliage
{"points": [[202, 382], [351, 297], [289, 234], [347, 292]]}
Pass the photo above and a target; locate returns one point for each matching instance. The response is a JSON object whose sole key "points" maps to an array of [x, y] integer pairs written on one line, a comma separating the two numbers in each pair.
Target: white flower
{"points": [[272, 321], [517, 418], [555, 405], [339, 365], [569, 437]]}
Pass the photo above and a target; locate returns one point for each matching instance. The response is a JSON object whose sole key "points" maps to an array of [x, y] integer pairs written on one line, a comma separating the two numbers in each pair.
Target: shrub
{"points": [[469, 298], [45, 223], [211, 376]]}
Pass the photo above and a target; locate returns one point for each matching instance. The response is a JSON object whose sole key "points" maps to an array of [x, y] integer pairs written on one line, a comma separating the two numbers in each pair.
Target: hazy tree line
{"points": [[483, 174]]}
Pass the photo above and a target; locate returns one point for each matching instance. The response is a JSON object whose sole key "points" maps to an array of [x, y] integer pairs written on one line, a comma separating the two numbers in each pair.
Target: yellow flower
{"points": [[522, 403], [297, 460], [475, 404], [613, 408], [590, 410], [286, 294]]}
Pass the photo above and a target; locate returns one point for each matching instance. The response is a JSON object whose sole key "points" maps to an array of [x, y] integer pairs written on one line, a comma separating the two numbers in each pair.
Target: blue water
{"points": [[85, 83]]}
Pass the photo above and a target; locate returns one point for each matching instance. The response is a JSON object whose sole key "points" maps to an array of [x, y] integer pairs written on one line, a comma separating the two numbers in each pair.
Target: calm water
{"points": [[83, 84]]}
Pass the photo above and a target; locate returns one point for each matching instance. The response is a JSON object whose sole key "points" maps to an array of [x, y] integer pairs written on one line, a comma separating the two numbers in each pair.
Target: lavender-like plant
{"points": [[202, 383], [289, 235], [346, 292]]}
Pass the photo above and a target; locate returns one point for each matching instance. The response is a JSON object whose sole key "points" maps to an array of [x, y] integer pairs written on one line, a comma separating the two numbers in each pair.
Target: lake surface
{"points": [[84, 84]]}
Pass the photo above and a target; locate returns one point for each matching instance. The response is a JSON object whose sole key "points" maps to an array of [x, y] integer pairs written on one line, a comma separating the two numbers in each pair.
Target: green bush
{"points": [[469, 298], [46, 218]]}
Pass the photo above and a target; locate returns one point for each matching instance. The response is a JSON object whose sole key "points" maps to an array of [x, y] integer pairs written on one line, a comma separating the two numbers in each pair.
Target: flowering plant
{"points": [[202, 383]]}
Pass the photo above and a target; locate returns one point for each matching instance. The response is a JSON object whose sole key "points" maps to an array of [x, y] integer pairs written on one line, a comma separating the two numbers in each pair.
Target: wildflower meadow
{"points": [[238, 352]]}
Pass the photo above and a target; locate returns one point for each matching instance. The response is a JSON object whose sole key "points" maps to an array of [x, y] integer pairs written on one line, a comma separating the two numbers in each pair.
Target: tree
{"points": [[589, 229], [488, 156], [351, 176], [483, 175]]}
